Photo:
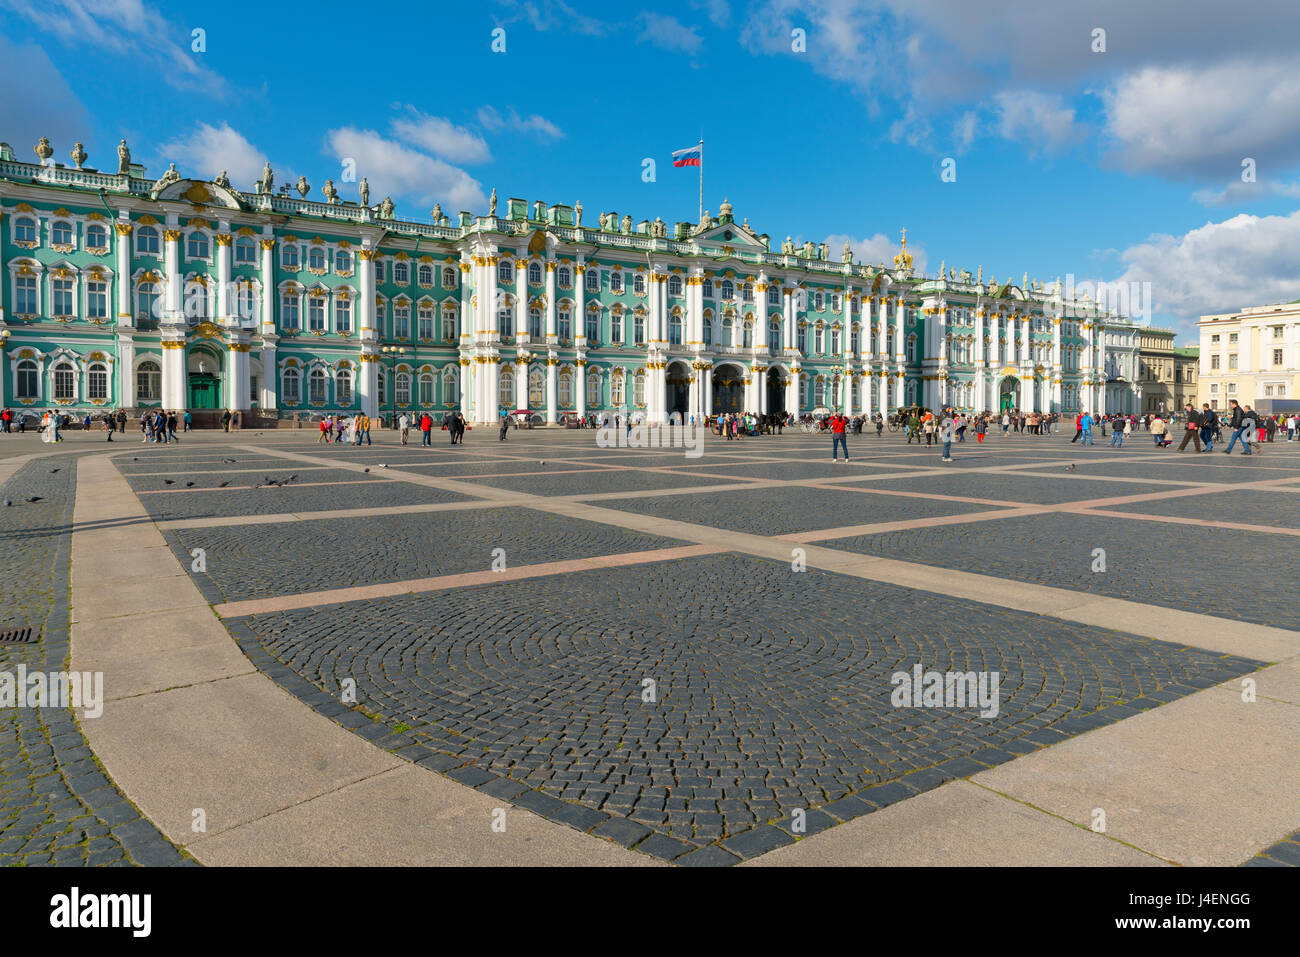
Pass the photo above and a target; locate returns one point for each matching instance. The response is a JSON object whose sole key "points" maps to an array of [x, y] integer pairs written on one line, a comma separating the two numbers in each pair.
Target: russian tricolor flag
{"points": [[689, 157]]}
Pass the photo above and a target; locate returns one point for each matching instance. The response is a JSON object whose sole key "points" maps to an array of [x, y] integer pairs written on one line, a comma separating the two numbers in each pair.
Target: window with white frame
{"points": [[774, 295], [96, 238], [148, 381], [449, 322], [726, 289], [402, 320], [424, 275], [96, 299], [593, 389], [426, 388], [61, 233], [343, 387], [819, 340], [26, 296], [536, 389], [289, 256], [379, 269], [564, 322], [61, 297], [403, 388], [707, 289], [146, 241], [638, 328], [566, 390], [316, 313], [593, 280], [534, 322], [449, 396], [401, 273], [245, 251], [249, 304], [449, 277], [638, 284], [616, 326], [506, 320], [638, 388], [593, 324], [674, 285], [425, 319], [97, 382], [534, 273], [197, 246], [342, 315], [675, 328], [25, 230], [616, 282], [289, 310], [29, 380], [316, 258], [291, 386], [564, 277], [65, 382], [146, 302], [317, 386], [616, 392], [343, 261]]}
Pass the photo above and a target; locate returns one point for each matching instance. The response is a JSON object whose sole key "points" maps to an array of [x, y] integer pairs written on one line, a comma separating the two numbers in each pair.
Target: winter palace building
{"points": [[122, 291]]}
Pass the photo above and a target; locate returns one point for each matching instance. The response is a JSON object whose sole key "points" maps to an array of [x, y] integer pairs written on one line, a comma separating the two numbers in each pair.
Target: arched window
{"points": [[449, 322], [638, 328], [774, 334], [148, 382], [675, 328], [29, 380], [505, 270], [748, 342], [289, 256], [727, 289], [97, 382], [616, 393], [819, 300], [317, 386], [249, 304], [196, 247], [564, 323], [674, 285], [638, 284], [245, 250], [382, 378], [316, 258], [424, 320], [449, 277], [96, 237], [65, 381], [342, 261], [342, 315], [708, 327], [593, 389], [449, 391], [536, 389], [593, 280], [534, 322], [593, 324], [343, 387], [61, 233], [616, 282], [748, 292], [424, 275], [566, 390], [403, 389], [401, 273], [708, 289], [25, 230], [426, 388], [564, 277], [819, 391], [728, 332], [534, 274], [146, 241], [146, 302], [638, 388], [506, 389]]}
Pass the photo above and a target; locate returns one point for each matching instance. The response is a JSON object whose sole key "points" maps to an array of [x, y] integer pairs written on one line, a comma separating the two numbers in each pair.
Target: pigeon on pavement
{"points": [[33, 498], [169, 481]]}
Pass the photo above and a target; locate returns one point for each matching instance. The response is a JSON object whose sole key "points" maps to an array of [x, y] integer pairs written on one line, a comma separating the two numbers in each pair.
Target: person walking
{"points": [[838, 439], [404, 423], [1209, 425], [880, 424], [426, 430], [225, 420], [1078, 428], [171, 426], [505, 425], [1117, 436], [1192, 430], [1237, 422], [188, 425], [981, 428], [1252, 426], [1085, 429], [947, 425]]}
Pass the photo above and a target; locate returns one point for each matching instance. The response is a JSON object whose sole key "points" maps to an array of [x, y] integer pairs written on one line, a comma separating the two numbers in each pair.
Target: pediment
{"points": [[200, 194]]}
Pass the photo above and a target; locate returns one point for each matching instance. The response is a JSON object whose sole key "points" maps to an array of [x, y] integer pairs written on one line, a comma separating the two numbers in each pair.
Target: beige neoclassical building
{"points": [[1252, 356]]}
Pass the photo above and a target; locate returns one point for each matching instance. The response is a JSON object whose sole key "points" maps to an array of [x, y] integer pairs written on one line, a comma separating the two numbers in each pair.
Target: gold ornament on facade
{"points": [[171, 235], [223, 239], [123, 229]]}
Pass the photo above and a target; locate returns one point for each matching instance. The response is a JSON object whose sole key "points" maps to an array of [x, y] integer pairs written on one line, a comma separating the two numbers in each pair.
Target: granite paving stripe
{"points": [[1160, 565], [606, 480], [1242, 506], [1011, 487], [296, 558]]}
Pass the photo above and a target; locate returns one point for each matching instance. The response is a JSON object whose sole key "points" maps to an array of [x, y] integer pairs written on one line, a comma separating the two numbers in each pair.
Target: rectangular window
{"points": [[1214, 340], [289, 311], [1277, 332], [1277, 357], [448, 326], [316, 314], [1232, 388], [616, 282], [97, 300], [1232, 360], [1268, 391], [616, 329], [379, 270], [426, 322], [97, 383], [26, 298], [1214, 362], [289, 257], [403, 389], [62, 289], [252, 390], [343, 315], [402, 322], [1232, 338], [593, 280]]}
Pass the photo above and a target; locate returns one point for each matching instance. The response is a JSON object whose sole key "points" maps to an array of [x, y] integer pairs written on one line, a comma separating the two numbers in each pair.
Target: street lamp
{"points": [[391, 354]]}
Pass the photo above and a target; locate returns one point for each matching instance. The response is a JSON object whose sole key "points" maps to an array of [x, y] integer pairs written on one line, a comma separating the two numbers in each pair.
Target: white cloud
{"points": [[1242, 261], [1205, 120], [718, 11], [1238, 193], [963, 130], [209, 149], [667, 33], [1040, 120], [129, 28], [544, 15], [876, 250], [442, 138], [492, 121], [397, 170]]}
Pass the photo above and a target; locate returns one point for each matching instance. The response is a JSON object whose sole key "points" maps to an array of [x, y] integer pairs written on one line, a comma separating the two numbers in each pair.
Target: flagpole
{"points": [[700, 219]]}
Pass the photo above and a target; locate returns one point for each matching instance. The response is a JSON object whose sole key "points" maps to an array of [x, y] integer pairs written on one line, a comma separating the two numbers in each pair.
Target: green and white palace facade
{"points": [[121, 291]]}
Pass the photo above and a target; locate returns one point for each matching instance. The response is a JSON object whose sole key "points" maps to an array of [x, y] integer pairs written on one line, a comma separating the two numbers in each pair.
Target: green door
{"points": [[205, 391]]}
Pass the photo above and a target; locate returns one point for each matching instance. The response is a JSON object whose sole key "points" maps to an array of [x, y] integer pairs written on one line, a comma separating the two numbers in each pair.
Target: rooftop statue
{"points": [[221, 179], [437, 214], [848, 252], [627, 225], [492, 202], [577, 213], [43, 149], [123, 159], [364, 190], [331, 194], [787, 247], [386, 208], [303, 187], [266, 184], [169, 177], [78, 154]]}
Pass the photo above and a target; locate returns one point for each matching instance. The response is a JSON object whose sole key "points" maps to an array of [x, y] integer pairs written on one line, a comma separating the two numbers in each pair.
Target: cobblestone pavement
{"points": [[56, 804], [771, 689], [299, 557], [781, 511], [756, 712], [1148, 562]]}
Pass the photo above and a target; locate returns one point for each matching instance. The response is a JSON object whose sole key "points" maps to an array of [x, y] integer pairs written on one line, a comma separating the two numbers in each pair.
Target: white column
{"points": [[269, 400], [552, 387], [173, 341], [225, 313], [846, 331], [787, 322], [237, 383], [792, 391], [466, 385], [521, 386], [550, 302], [172, 267], [123, 230], [368, 371], [521, 301], [899, 322], [580, 372], [760, 316], [580, 315]]}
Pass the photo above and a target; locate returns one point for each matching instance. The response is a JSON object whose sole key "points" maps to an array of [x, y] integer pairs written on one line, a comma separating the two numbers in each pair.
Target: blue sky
{"points": [[1117, 164]]}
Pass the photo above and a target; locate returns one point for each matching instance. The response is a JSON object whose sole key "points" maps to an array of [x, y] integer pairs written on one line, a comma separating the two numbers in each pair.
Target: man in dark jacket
{"points": [[1209, 423], [1192, 433], [1237, 424]]}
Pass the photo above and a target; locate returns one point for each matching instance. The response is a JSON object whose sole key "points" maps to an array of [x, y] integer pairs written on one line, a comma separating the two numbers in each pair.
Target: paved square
{"points": [[605, 641]]}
